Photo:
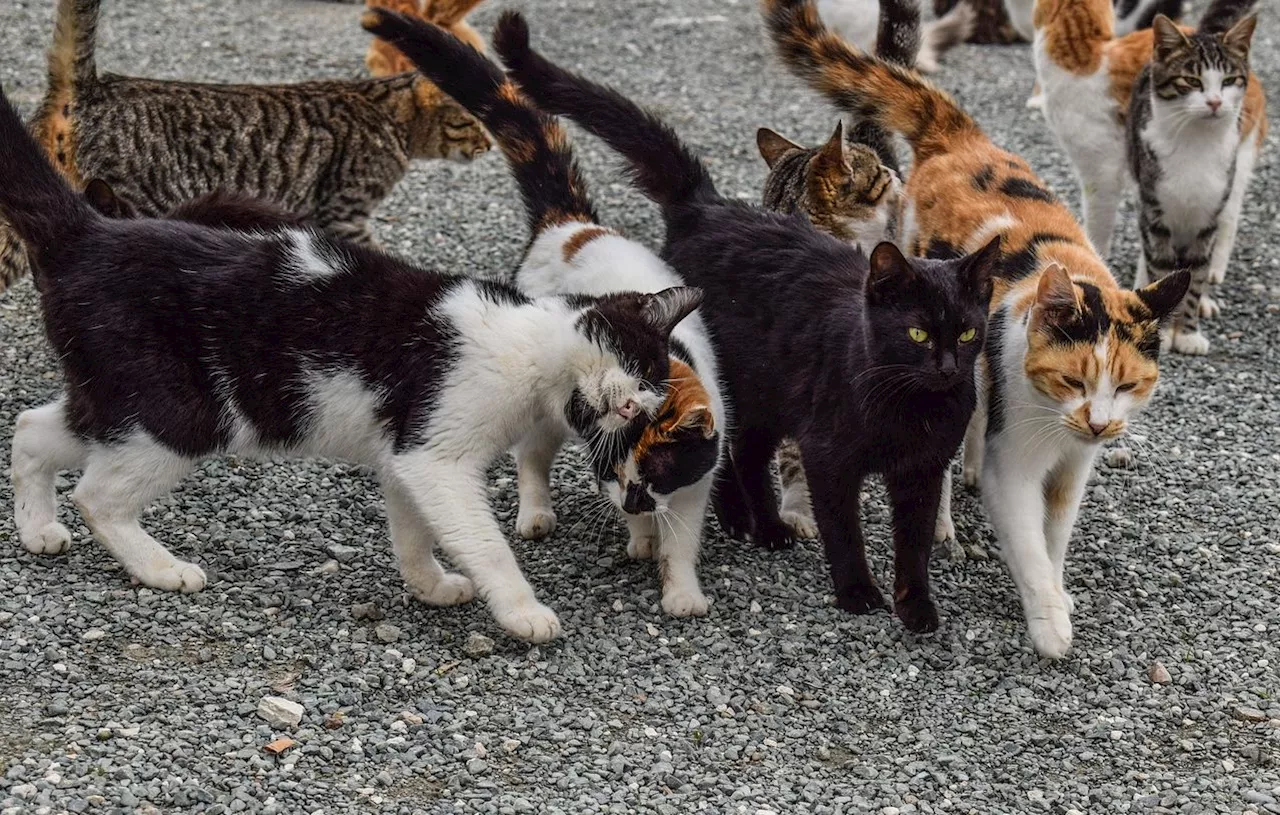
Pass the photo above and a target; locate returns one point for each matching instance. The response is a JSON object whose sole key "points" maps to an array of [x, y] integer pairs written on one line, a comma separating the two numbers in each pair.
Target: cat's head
{"points": [[621, 382], [1092, 353], [842, 187], [927, 318], [677, 448], [442, 128], [1201, 76]]}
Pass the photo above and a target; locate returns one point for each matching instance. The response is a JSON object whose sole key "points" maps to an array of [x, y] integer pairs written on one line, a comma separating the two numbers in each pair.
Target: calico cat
{"points": [[1070, 357], [382, 58], [179, 341], [1088, 77], [662, 479], [1129, 15], [1184, 144], [868, 365], [855, 20], [329, 151]]}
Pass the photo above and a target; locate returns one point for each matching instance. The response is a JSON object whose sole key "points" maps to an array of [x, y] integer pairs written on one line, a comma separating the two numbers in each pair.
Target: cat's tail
{"points": [[535, 144], [71, 58], [1222, 14], [862, 85], [1136, 16], [661, 165], [38, 204], [898, 33], [945, 33]]}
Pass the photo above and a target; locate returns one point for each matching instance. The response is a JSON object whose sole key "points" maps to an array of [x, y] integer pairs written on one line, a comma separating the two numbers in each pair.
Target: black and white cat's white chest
{"points": [[1186, 173]]}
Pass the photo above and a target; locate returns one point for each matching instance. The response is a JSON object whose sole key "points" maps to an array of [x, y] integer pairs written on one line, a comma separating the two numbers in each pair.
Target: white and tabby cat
{"points": [[660, 478]]}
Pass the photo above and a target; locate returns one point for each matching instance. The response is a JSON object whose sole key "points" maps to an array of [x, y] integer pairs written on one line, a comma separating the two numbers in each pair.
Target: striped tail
{"points": [[1222, 14], [71, 59], [661, 165], [534, 143], [864, 86]]}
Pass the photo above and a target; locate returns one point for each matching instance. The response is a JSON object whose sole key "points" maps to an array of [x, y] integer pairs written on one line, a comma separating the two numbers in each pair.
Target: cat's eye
{"points": [[1072, 382], [969, 335], [1126, 387], [918, 334], [1192, 82], [1232, 80]]}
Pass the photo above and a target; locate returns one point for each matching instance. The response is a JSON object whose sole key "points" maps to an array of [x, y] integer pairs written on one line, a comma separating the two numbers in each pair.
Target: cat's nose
{"points": [[1214, 103], [1098, 428], [629, 409]]}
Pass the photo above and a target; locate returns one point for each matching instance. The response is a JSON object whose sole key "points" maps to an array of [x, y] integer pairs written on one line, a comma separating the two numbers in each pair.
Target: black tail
{"points": [[534, 143], [898, 36], [34, 198], [1222, 14], [661, 166]]}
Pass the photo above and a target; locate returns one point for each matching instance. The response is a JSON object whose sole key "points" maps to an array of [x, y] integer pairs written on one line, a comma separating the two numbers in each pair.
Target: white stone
{"points": [[280, 712]]}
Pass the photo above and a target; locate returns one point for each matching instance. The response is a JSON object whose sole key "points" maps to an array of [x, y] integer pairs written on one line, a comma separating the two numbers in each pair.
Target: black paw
{"points": [[774, 537], [734, 520], [861, 600], [918, 614]]}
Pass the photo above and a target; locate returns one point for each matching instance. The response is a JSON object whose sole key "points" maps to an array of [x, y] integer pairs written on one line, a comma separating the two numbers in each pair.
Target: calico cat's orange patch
{"points": [[383, 59], [581, 238], [1074, 32], [688, 406]]}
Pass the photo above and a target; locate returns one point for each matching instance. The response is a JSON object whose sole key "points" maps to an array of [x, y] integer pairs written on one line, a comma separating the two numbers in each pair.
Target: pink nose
{"points": [[1098, 428], [629, 410], [1214, 104]]}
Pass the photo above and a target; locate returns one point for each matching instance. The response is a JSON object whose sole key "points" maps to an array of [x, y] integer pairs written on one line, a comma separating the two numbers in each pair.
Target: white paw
{"points": [[50, 539], [970, 475], [535, 524], [451, 589], [684, 602], [944, 529], [530, 621], [1216, 276], [1121, 458], [1190, 342], [642, 547], [176, 576], [1068, 601], [1036, 102], [801, 524], [1209, 308], [1050, 630]]}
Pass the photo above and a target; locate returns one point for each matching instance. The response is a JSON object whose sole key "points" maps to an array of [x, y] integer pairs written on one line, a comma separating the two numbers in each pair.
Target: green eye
{"points": [[918, 334], [969, 335], [1192, 81]]}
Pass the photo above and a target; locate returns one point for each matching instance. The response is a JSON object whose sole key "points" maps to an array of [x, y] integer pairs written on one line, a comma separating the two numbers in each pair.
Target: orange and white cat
{"points": [[1070, 357]]}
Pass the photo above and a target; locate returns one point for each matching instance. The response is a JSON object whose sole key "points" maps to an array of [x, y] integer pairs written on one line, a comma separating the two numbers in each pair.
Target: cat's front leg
{"points": [[730, 504], [681, 531], [534, 455], [413, 543], [452, 496], [914, 496], [643, 538], [753, 453], [1063, 492], [836, 506], [1013, 494]]}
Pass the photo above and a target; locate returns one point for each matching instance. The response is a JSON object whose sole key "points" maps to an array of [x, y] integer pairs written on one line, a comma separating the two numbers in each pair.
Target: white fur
{"points": [[607, 264], [517, 367], [310, 262], [1021, 14]]}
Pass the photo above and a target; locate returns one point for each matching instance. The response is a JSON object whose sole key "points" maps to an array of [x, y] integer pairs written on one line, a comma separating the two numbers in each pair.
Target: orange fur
{"points": [[382, 58], [581, 238], [688, 406]]}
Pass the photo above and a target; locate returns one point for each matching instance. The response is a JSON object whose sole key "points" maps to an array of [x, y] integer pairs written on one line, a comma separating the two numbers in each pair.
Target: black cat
{"points": [[869, 365]]}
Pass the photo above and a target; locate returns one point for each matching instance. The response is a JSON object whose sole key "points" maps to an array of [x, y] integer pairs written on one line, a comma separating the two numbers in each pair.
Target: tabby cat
{"points": [[179, 341], [1070, 358], [383, 59], [1088, 77], [328, 151], [867, 364], [1183, 139], [662, 478]]}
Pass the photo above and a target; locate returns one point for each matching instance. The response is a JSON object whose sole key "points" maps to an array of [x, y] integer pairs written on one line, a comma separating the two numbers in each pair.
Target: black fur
{"points": [[1220, 15], [815, 344]]}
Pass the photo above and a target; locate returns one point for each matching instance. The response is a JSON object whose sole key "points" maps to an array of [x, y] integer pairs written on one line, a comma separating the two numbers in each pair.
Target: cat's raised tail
{"points": [[866, 87], [661, 165], [39, 205], [1222, 14], [536, 146], [71, 58]]}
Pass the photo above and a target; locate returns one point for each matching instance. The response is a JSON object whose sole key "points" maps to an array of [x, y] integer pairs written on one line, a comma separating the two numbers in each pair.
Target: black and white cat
{"points": [[660, 479], [179, 341]]}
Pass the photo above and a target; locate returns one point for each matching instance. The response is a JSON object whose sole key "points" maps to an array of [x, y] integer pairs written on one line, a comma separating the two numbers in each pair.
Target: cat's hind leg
{"points": [[536, 518], [414, 544], [452, 497], [753, 452], [681, 526], [42, 446], [119, 481], [1102, 180], [797, 506]]}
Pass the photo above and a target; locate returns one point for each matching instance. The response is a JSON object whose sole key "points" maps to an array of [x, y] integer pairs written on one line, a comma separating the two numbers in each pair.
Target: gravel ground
{"points": [[119, 699]]}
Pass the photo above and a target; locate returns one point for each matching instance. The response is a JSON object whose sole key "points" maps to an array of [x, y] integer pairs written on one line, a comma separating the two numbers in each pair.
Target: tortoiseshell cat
{"points": [[1070, 357], [327, 151], [660, 479], [382, 58]]}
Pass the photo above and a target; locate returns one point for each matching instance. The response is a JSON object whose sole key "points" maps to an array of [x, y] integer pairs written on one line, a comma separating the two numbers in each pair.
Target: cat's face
{"points": [[678, 448], [1092, 354], [444, 129], [1201, 76], [928, 318], [621, 385]]}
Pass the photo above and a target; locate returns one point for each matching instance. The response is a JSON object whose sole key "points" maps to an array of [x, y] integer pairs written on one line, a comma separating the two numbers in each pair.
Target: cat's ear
{"points": [[1165, 295], [699, 418], [1168, 37], [773, 146], [665, 309], [103, 198], [1239, 36], [890, 272], [977, 269], [832, 155], [1056, 295]]}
